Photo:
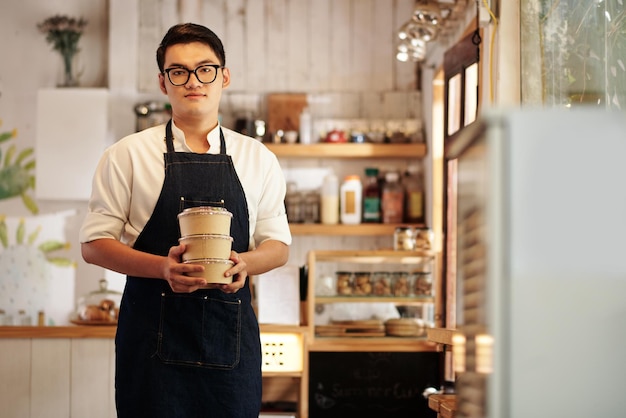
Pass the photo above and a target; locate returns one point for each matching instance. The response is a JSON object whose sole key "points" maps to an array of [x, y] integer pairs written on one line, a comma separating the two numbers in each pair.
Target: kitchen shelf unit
{"points": [[363, 229], [368, 258], [349, 150]]}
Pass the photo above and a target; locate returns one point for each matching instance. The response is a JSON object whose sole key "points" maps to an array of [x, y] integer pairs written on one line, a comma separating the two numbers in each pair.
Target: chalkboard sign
{"points": [[364, 385]]}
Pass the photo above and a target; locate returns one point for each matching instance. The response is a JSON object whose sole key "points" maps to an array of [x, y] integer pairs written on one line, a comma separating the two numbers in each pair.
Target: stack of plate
{"points": [[405, 327]]}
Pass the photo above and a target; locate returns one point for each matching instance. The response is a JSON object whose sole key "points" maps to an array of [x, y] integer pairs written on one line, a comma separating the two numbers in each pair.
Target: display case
{"points": [[539, 300], [372, 300]]}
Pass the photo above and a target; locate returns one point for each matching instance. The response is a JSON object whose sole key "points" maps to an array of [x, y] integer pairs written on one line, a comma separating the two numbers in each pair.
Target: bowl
{"points": [[291, 137], [206, 246], [204, 220], [214, 270]]}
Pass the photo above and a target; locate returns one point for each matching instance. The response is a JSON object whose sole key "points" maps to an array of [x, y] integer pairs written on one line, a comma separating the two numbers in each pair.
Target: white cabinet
{"points": [[57, 377], [72, 126]]}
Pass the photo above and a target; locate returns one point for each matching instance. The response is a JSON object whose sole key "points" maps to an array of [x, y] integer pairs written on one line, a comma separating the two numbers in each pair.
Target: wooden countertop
{"points": [[69, 331], [99, 331]]}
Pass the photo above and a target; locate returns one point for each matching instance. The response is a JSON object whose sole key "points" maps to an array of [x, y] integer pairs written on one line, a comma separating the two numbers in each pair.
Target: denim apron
{"points": [[188, 355]]}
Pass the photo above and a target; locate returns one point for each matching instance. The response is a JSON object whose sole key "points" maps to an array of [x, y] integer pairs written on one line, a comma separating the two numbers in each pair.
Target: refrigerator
{"points": [[535, 261]]}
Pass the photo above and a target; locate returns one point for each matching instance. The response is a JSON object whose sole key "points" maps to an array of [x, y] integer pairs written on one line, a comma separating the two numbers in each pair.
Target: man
{"points": [[183, 350]]}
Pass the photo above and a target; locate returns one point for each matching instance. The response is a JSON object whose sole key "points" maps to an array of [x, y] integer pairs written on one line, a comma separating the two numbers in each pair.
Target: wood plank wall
{"points": [[340, 52]]}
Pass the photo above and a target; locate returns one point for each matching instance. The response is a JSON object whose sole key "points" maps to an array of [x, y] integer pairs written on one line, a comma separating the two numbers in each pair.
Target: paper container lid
{"points": [[205, 210]]}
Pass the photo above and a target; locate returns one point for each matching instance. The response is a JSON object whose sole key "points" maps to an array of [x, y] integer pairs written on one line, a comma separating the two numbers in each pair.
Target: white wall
{"points": [[29, 64], [340, 50]]}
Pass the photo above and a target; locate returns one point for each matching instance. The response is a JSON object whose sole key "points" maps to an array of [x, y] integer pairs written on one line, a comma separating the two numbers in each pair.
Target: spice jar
{"points": [[362, 283], [401, 284], [423, 239], [311, 207], [403, 239], [344, 283], [293, 203], [381, 283], [423, 284], [325, 286]]}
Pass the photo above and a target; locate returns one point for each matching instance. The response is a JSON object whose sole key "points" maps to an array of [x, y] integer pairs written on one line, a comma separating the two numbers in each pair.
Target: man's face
{"points": [[193, 98]]}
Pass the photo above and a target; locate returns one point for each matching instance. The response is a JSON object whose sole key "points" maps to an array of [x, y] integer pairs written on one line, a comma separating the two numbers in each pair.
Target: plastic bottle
{"points": [[392, 200], [414, 195], [306, 126], [371, 196], [351, 194], [329, 200]]}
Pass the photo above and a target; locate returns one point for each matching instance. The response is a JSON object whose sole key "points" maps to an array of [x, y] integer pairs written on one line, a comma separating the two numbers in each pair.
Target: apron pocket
{"points": [[188, 202], [198, 330]]}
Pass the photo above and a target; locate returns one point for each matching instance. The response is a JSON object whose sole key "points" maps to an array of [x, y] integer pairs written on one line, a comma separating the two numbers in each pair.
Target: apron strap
{"points": [[169, 138]]}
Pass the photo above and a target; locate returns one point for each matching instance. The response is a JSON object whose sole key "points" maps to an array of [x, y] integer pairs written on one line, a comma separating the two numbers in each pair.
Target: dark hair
{"points": [[185, 33]]}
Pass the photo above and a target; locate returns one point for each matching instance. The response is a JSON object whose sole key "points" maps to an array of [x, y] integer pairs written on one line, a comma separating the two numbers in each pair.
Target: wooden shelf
{"points": [[375, 299], [347, 230], [295, 329], [367, 344], [371, 256], [348, 150]]}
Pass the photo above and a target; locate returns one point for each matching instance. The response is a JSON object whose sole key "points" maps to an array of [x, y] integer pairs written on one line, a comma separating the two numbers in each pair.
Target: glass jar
{"points": [[423, 284], [401, 284], [99, 306], [423, 239], [325, 286], [344, 283], [362, 283], [311, 207], [381, 283], [293, 204], [24, 319], [403, 239]]}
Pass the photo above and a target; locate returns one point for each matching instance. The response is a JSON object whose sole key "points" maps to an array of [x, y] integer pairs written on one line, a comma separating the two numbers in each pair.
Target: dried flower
{"points": [[63, 33]]}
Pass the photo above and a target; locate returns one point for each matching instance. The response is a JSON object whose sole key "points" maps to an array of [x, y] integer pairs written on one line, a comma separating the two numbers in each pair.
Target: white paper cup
{"points": [[204, 220], [206, 246], [214, 270]]}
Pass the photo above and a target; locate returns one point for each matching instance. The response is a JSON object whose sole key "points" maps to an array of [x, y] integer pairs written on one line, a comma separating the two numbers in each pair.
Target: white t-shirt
{"points": [[130, 174]]}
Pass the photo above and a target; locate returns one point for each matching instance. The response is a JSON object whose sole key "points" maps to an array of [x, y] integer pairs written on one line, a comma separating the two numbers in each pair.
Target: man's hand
{"points": [[174, 271], [238, 272]]}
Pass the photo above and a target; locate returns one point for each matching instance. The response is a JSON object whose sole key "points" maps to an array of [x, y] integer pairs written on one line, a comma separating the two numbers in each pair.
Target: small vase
{"points": [[70, 75]]}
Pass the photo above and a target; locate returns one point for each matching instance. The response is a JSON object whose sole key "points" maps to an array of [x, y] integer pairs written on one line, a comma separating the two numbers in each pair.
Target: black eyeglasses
{"points": [[206, 74]]}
